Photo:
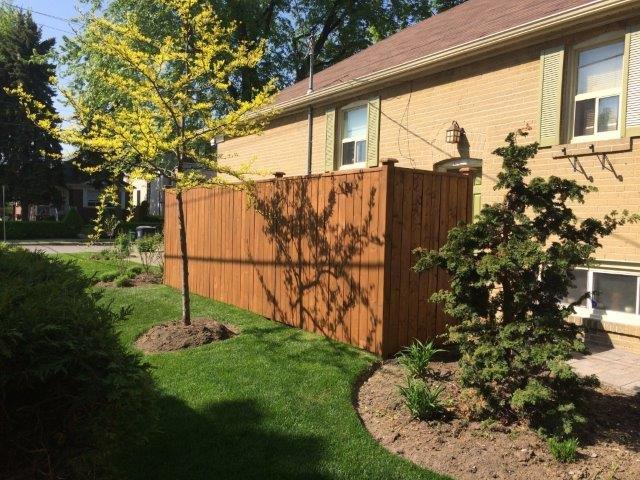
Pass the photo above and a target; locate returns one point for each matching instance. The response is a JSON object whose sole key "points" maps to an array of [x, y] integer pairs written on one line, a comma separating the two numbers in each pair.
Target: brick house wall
{"points": [[488, 98]]}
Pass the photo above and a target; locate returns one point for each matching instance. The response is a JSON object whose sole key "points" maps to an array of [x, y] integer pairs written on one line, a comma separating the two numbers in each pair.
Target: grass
{"points": [[271, 403]]}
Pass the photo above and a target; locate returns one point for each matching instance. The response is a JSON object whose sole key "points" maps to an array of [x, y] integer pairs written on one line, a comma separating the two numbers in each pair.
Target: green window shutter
{"points": [[330, 141], [633, 82], [373, 132], [551, 68]]}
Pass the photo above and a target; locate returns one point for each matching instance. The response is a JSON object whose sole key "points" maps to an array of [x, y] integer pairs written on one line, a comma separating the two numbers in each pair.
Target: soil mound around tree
{"points": [[172, 336], [467, 449]]}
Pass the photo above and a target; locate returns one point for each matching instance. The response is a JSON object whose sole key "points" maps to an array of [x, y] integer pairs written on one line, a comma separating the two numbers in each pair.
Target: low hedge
{"points": [[70, 391], [69, 227], [38, 230]]}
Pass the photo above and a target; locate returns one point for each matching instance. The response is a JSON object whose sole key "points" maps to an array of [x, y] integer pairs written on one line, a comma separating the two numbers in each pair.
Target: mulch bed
{"points": [[173, 336], [467, 449]]}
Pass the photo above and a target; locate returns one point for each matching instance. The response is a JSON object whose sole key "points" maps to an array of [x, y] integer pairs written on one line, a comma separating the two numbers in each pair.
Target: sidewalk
{"points": [[614, 367], [61, 245]]}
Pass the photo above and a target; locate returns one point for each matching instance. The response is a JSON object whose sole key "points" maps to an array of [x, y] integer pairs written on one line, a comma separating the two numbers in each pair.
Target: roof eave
{"points": [[608, 10]]}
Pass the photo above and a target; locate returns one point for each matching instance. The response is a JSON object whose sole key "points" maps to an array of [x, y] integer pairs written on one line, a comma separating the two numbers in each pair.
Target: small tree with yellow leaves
{"points": [[167, 99]]}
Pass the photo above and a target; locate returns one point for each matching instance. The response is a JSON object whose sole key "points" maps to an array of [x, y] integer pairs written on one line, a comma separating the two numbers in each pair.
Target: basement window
{"points": [[598, 90], [615, 294], [353, 137]]}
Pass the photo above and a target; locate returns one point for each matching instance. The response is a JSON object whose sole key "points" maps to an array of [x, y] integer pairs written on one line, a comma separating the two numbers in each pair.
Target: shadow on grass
{"points": [[224, 440]]}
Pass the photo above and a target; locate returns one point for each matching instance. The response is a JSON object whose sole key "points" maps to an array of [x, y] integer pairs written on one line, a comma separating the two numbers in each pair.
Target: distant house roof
{"points": [[464, 24], [72, 174]]}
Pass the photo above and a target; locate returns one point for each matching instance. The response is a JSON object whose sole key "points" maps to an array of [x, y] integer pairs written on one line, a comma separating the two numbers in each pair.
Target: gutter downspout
{"points": [[309, 139]]}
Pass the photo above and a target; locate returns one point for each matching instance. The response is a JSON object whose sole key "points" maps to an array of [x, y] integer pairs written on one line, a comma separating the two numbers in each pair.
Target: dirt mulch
{"points": [[172, 336], [479, 450]]}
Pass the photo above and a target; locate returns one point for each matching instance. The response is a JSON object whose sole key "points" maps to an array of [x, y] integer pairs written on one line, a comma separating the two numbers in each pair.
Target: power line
{"points": [[22, 9], [56, 28], [66, 20]]}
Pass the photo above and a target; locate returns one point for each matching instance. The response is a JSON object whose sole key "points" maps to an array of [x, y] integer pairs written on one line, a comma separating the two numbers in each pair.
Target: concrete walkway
{"points": [[60, 246], [54, 247], [616, 368]]}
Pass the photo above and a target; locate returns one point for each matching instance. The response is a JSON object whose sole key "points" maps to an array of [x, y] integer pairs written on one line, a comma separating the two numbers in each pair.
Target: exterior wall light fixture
{"points": [[454, 133]]}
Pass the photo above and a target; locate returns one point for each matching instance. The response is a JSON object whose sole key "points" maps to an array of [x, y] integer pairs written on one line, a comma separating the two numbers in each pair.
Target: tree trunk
{"points": [[186, 301]]}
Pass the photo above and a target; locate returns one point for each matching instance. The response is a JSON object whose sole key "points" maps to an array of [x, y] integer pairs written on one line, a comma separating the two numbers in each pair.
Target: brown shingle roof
{"points": [[470, 21]]}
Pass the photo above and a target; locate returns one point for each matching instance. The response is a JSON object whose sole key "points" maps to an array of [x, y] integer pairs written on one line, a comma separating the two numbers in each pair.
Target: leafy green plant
{"points": [[110, 225], [416, 357], [71, 392], [124, 281], [150, 250], [565, 451], [73, 220], [135, 270], [121, 251], [108, 276], [423, 400], [510, 271]]}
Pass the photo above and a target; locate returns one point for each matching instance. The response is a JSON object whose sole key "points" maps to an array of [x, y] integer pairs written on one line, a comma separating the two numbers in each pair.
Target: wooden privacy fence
{"points": [[327, 253]]}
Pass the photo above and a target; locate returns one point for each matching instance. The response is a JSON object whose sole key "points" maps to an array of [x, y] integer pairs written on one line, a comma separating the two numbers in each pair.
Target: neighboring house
{"points": [[155, 195], [152, 192], [569, 69], [82, 192]]}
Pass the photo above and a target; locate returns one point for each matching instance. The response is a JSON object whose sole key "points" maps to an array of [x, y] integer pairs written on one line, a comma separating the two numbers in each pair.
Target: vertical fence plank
{"points": [[414, 278]]}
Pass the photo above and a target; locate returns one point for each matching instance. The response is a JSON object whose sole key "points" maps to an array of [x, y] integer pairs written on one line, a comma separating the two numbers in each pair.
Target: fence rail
{"points": [[327, 253]]}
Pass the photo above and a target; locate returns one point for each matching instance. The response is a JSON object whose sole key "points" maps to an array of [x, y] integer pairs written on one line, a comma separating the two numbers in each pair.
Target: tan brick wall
{"points": [[610, 334], [488, 99], [281, 147]]}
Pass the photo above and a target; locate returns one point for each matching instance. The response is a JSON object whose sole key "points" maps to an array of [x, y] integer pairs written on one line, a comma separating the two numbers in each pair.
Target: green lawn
{"points": [[271, 403]]}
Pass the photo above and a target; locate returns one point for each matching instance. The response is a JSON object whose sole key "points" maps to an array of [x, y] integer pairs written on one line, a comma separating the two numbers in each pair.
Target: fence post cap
{"points": [[390, 162], [278, 174]]}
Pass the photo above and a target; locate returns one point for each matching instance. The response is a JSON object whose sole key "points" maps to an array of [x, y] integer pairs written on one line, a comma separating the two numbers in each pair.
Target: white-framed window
{"points": [[91, 197], [353, 136], [596, 107], [615, 294]]}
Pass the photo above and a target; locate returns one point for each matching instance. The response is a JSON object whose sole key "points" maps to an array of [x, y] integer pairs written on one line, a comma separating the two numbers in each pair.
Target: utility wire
{"points": [[22, 9], [66, 20]]}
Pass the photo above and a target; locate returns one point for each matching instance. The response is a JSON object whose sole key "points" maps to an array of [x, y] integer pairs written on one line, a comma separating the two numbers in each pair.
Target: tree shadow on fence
{"points": [[324, 261]]}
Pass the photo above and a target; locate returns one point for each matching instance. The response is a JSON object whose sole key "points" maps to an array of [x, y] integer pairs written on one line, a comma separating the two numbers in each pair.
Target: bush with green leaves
{"points": [[124, 281], [121, 251], [108, 276], [23, 230], [565, 451], [416, 358], [150, 250], [423, 400], [73, 220], [135, 270], [71, 392], [510, 271]]}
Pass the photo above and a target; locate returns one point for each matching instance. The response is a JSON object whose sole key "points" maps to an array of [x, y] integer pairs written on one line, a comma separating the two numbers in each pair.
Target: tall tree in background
{"points": [[151, 106], [30, 164], [341, 28]]}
